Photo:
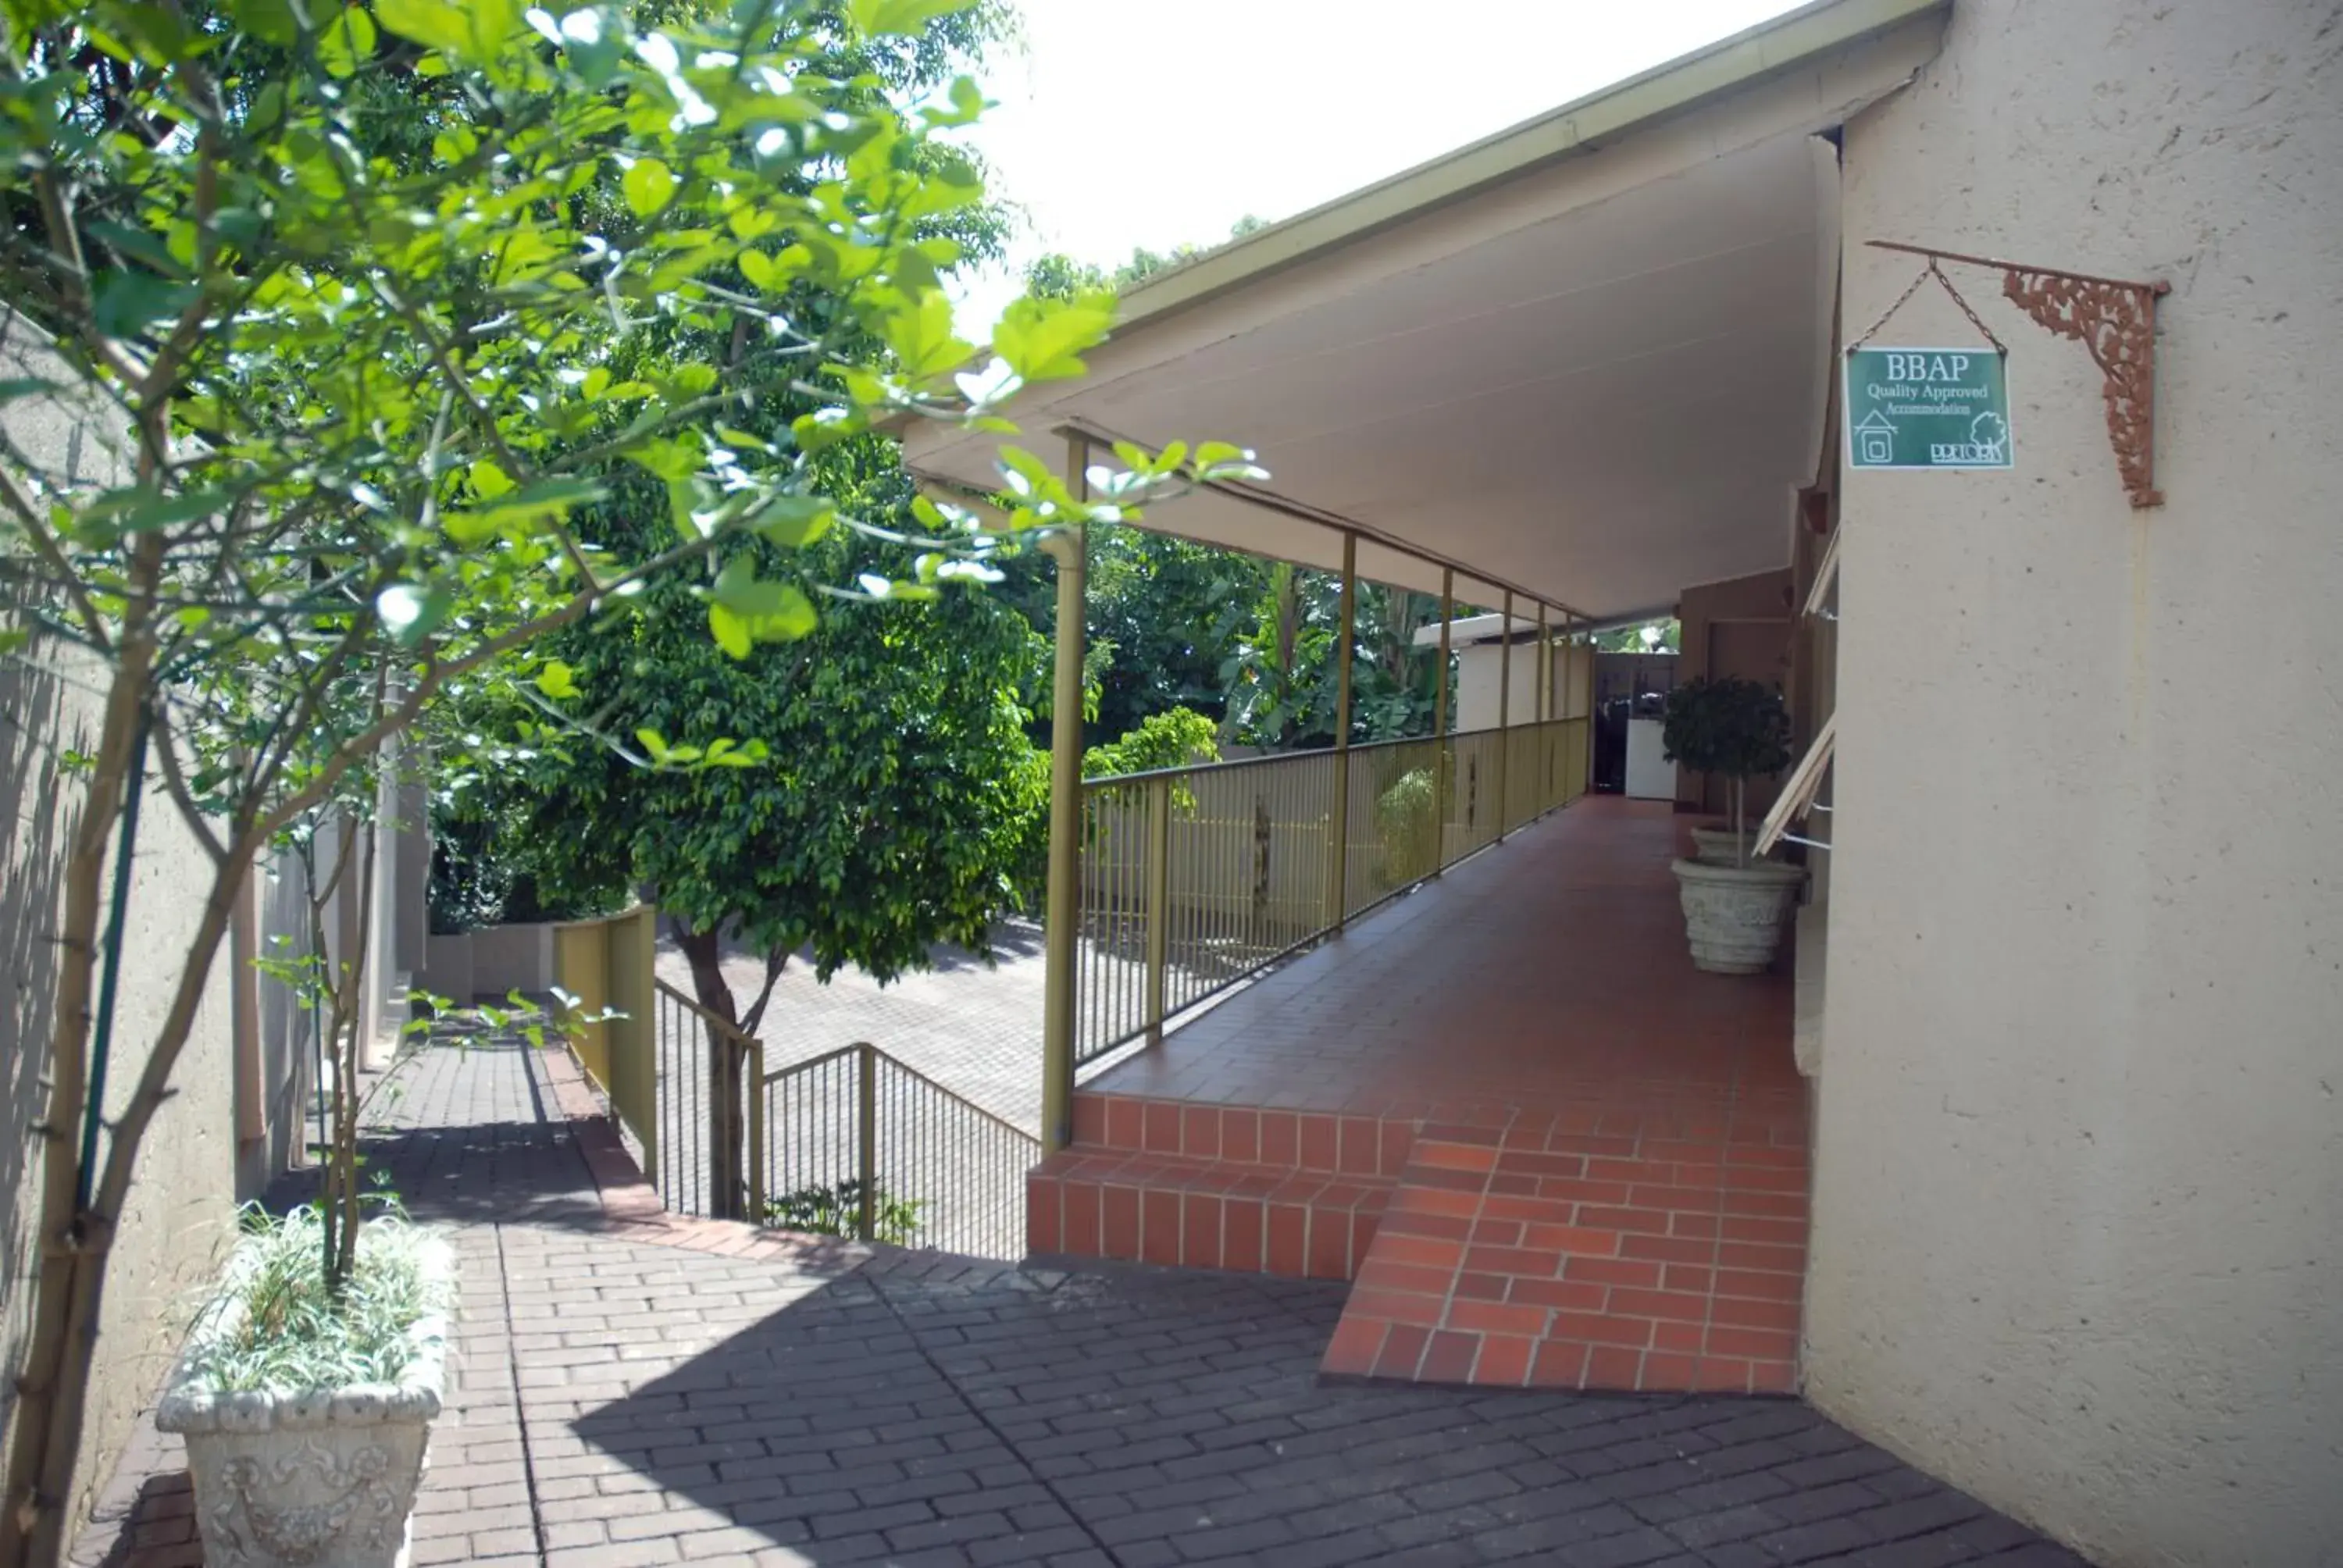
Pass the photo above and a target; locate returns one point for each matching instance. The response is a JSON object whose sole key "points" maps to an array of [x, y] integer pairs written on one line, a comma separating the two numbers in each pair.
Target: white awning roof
{"points": [[1584, 359]]}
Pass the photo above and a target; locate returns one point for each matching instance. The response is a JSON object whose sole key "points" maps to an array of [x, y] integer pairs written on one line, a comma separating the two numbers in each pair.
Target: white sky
{"points": [[1152, 123]]}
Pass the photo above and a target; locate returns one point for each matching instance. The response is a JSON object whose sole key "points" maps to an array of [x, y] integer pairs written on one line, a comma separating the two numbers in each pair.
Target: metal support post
{"points": [[1339, 872], [865, 1138], [1159, 900], [1062, 931], [1545, 732], [1442, 768], [756, 1130], [1505, 716]]}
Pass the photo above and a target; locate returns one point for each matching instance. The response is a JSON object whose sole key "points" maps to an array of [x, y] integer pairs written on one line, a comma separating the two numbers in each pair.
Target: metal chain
{"points": [[1931, 270]]}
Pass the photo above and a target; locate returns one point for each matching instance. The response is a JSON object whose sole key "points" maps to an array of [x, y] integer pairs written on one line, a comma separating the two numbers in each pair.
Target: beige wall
{"points": [[2078, 1208], [1737, 627], [179, 1212], [234, 1118]]}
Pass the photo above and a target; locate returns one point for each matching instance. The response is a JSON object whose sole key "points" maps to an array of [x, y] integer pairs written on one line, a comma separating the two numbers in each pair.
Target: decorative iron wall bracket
{"points": [[2115, 320]]}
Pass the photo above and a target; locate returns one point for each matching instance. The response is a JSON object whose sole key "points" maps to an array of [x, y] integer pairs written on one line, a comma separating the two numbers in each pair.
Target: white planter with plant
{"points": [[1735, 907], [305, 1394]]}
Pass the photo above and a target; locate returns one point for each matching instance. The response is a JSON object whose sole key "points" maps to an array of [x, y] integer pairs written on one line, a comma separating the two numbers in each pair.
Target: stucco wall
{"points": [[1740, 627], [179, 1212], [2078, 1208]]}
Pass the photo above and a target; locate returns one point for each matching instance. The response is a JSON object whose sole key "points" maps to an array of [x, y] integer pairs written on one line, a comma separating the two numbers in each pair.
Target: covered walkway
{"points": [[1547, 1149]]}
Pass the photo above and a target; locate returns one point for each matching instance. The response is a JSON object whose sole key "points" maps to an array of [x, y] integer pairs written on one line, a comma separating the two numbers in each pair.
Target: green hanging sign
{"points": [[1926, 409]]}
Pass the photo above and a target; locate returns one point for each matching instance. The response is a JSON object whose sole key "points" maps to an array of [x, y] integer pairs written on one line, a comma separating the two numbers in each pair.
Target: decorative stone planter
{"points": [[1719, 845], [1735, 915], [325, 1478]]}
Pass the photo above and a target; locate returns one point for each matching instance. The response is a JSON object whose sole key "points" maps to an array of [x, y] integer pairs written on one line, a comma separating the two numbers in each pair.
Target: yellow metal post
{"points": [[1159, 900], [1063, 907], [1505, 716], [1544, 667], [756, 1130], [1441, 768], [1339, 873], [1546, 733], [865, 1138]]}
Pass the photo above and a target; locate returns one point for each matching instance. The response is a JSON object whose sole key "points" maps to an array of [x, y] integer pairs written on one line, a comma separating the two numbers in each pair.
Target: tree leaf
{"points": [[730, 631], [649, 185], [794, 522], [413, 611], [138, 511], [488, 481], [556, 679], [347, 43], [125, 303], [1043, 339], [878, 18], [270, 21], [434, 24]]}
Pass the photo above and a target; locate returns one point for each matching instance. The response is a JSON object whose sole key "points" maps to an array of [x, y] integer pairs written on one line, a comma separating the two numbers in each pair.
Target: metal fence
{"points": [[1193, 879], [852, 1142]]}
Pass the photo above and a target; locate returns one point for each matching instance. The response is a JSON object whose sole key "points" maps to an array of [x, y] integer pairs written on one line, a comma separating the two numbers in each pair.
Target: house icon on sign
{"points": [[1875, 438]]}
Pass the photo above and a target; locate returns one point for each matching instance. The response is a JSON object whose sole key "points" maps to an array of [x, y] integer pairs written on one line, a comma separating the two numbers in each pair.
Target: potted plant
{"points": [[1735, 909], [307, 1386], [305, 1406]]}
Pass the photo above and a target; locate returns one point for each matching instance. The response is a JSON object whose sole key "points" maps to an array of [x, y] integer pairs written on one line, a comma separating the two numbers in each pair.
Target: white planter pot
{"points": [[1735, 915], [325, 1478], [1718, 846]]}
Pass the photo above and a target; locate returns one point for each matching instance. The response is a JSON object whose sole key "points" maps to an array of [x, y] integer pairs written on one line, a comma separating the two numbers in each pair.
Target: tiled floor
{"points": [[1549, 1151], [629, 1391]]}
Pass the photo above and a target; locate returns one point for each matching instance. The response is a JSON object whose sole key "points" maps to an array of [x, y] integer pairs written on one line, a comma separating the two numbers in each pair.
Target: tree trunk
{"points": [[54, 1394], [727, 1107], [49, 1392]]}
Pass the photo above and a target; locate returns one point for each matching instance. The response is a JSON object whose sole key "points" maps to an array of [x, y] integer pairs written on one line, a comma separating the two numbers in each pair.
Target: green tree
{"points": [[358, 410], [898, 797]]}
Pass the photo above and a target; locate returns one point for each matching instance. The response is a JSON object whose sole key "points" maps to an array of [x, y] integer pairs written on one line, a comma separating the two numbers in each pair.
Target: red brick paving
{"points": [[1550, 1152]]}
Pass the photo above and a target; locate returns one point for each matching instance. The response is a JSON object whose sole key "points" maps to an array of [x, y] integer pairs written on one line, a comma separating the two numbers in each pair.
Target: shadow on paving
{"points": [[522, 1170], [937, 1411]]}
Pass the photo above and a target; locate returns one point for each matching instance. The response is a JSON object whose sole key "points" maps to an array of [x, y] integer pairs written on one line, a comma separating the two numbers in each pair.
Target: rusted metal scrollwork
{"points": [[2117, 322]]}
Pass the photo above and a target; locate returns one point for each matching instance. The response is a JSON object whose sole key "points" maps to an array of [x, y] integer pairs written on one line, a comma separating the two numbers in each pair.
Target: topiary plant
{"points": [[1729, 727]]}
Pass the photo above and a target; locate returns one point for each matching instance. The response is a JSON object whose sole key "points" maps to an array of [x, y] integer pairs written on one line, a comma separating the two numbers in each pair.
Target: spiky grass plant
{"points": [[282, 1327]]}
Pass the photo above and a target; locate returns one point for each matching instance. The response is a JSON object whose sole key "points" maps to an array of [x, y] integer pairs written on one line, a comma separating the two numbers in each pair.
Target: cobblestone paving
{"points": [[620, 1401]]}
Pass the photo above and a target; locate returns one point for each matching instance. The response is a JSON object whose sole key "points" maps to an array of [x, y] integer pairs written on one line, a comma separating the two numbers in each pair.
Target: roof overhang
{"points": [[1584, 359]]}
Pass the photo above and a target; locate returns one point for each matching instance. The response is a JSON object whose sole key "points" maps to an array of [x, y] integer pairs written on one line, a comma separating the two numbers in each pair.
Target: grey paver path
{"points": [[625, 1395]]}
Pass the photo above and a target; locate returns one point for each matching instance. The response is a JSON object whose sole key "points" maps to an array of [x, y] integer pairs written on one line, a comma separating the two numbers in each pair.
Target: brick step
{"points": [[1533, 1260], [1202, 1213], [1359, 1146]]}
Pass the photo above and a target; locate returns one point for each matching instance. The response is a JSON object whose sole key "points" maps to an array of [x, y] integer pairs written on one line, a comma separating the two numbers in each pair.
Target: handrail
{"points": [[962, 1100], [706, 1017], [1190, 879], [1229, 764], [825, 1059]]}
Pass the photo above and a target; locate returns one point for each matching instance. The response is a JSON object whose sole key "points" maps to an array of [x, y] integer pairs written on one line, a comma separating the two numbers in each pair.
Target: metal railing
{"points": [[860, 1144], [695, 1050], [1193, 879], [852, 1142]]}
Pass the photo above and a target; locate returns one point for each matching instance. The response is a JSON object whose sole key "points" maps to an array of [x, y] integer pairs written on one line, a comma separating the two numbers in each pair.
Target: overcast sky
{"points": [[1151, 122]]}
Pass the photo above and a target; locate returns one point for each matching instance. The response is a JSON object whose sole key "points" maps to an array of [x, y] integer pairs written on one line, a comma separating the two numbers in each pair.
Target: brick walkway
{"points": [[634, 1390]]}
